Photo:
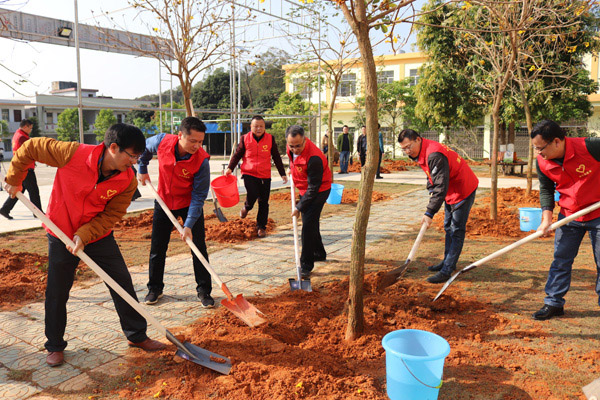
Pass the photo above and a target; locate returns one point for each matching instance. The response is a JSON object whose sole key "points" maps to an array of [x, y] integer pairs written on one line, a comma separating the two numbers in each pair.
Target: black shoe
{"points": [[436, 268], [243, 212], [548, 312], [440, 277], [5, 214], [379, 177], [304, 273], [152, 297], [321, 258], [206, 300]]}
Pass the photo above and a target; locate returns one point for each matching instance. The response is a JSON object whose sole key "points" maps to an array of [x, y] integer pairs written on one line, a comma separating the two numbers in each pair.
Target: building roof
{"points": [[50, 101]]}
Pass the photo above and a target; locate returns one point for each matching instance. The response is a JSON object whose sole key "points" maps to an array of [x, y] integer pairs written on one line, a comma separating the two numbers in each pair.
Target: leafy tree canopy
{"points": [[67, 126], [105, 119]]}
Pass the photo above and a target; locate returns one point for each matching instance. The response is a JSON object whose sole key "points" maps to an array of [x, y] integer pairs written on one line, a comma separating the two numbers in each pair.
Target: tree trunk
{"points": [[494, 166], [355, 326]]}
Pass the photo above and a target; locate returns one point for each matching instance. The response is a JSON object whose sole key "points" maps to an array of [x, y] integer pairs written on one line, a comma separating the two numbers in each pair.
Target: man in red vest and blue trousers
{"points": [[256, 149], [183, 183], [312, 177], [451, 181], [572, 167], [91, 192], [30, 181]]}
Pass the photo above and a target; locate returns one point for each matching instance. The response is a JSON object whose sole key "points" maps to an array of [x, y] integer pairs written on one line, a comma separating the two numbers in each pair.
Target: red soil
{"points": [[23, 278], [398, 165], [235, 230], [301, 351], [350, 196]]}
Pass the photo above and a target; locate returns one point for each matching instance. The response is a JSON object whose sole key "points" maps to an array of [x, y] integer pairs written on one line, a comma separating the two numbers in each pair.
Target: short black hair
{"points": [[345, 126], [548, 130], [190, 123], [364, 126], [125, 136], [257, 117], [408, 134], [294, 131], [25, 122]]}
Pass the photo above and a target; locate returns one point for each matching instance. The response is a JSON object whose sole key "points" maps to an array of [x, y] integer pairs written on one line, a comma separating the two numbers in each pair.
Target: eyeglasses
{"points": [[406, 149], [540, 149], [135, 158]]}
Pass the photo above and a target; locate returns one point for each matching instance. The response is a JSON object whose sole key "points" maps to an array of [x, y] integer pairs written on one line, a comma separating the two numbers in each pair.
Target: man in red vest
{"points": [[91, 192], [256, 149], [451, 181], [30, 181], [572, 167], [312, 177], [183, 183]]}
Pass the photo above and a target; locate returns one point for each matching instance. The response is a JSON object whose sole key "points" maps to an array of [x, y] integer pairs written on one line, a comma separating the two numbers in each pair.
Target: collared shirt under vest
{"points": [[299, 167]]}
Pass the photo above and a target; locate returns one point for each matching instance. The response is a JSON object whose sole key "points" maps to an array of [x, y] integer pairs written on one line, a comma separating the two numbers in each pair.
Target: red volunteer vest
{"points": [[17, 141], [299, 167], [176, 178], [257, 158], [462, 179], [76, 198], [576, 180]]}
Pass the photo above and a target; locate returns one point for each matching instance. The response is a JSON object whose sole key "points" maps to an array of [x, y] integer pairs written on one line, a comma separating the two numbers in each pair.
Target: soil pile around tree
{"points": [[301, 351], [398, 165], [516, 197], [23, 278], [235, 230]]}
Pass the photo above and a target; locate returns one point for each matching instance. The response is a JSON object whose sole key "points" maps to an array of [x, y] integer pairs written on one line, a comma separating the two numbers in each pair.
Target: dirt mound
{"points": [[355, 167], [485, 161], [137, 221], [301, 351], [350, 196], [235, 230], [516, 197], [23, 278], [398, 165]]}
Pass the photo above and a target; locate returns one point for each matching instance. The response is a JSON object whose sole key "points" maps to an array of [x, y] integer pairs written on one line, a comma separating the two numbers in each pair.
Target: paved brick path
{"points": [[96, 342]]}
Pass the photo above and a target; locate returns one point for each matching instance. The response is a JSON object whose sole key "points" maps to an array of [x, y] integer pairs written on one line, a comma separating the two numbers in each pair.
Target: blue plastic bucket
{"points": [[414, 362], [556, 196], [530, 218], [335, 196]]}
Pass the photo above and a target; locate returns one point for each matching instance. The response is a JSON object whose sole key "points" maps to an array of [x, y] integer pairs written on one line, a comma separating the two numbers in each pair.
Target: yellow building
{"points": [[394, 68]]}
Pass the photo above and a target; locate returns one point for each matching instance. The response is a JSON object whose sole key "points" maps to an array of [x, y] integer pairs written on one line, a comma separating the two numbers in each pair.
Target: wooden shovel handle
{"points": [[413, 250], [92, 264], [189, 241]]}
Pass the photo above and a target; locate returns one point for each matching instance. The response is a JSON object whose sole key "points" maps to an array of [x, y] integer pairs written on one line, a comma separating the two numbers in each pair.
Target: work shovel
{"points": [[526, 239], [185, 350], [218, 211], [394, 275], [239, 306], [297, 284]]}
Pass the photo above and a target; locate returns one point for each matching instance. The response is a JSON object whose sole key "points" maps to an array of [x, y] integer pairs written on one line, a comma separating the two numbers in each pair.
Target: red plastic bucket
{"points": [[226, 190]]}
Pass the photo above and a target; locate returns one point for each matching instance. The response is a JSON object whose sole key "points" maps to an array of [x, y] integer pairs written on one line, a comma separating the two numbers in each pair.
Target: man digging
{"points": [[312, 177], [91, 192], [572, 165], [256, 149], [183, 183], [449, 180]]}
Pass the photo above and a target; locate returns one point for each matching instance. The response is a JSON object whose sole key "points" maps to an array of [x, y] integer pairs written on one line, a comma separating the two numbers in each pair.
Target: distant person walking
{"points": [[361, 145], [381, 151], [256, 149], [30, 182], [345, 145]]}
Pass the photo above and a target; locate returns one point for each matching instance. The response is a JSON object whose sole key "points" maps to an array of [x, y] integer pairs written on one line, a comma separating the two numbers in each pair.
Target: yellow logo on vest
{"points": [[185, 174], [582, 171], [109, 194], [299, 168], [265, 147]]}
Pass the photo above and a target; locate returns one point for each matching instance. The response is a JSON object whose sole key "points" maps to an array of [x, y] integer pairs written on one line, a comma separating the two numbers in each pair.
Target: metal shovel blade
{"points": [[245, 311], [391, 277], [200, 356], [449, 281], [220, 214], [303, 284], [205, 358]]}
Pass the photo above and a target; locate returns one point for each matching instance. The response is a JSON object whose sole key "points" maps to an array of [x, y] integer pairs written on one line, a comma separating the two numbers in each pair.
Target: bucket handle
{"points": [[420, 381]]}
